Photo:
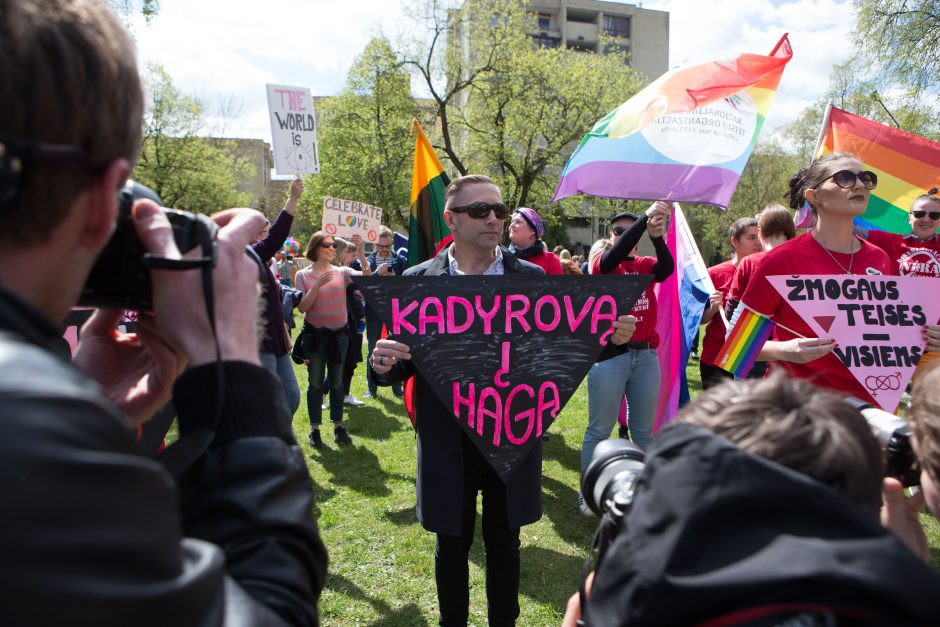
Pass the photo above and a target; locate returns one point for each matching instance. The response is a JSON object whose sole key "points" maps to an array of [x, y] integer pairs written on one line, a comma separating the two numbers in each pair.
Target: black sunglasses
{"points": [[934, 215], [846, 179], [327, 244], [480, 210], [619, 230]]}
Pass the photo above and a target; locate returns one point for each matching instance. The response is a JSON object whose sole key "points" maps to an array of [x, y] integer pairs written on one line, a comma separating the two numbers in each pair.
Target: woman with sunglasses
{"points": [[324, 341], [918, 253], [837, 190]]}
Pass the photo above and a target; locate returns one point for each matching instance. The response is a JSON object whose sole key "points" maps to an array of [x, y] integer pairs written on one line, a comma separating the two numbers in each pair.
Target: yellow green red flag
{"points": [[427, 232]]}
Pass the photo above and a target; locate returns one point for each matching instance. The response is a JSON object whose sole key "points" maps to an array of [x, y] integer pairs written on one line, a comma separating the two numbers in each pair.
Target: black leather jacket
{"points": [[93, 533]]}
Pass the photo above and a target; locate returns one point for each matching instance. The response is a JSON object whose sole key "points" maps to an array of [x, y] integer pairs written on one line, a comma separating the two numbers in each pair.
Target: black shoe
{"points": [[544, 437], [624, 433], [342, 438], [315, 440], [399, 393]]}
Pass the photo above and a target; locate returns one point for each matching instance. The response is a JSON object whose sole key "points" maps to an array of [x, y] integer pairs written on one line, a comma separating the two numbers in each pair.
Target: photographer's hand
{"points": [[135, 370], [900, 515], [573, 611], [178, 302]]}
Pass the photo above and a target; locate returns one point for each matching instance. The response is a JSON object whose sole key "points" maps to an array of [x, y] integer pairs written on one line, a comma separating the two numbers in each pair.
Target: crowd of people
{"points": [[766, 500]]}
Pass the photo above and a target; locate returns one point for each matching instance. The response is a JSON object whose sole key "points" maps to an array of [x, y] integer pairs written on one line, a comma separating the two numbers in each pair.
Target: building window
{"points": [[545, 21], [545, 42], [617, 26]]}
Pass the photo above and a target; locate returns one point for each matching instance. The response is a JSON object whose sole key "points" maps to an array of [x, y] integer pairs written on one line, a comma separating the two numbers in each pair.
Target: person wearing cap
{"points": [[635, 373], [525, 240]]}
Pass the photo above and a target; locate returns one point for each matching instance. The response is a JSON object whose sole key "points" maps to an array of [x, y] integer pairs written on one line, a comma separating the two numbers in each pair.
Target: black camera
{"points": [[610, 478], [120, 277], [894, 435]]}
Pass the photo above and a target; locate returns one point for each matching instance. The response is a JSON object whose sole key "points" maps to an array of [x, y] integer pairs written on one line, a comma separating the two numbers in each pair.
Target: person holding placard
{"points": [[451, 469], [837, 190], [324, 340]]}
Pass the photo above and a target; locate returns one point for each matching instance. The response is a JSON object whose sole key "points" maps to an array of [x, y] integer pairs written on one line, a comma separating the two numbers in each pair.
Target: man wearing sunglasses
{"points": [[917, 253], [451, 470], [384, 262]]}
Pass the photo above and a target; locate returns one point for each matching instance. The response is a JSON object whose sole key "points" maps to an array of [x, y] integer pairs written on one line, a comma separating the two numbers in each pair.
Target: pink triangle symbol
{"points": [[825, 322]]}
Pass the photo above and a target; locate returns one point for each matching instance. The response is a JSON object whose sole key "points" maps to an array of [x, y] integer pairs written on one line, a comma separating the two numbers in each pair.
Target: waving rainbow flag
{"points": [[907, 165], [685, 137]]}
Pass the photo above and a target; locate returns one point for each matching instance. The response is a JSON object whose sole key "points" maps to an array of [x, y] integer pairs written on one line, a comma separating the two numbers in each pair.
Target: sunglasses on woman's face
{"points": [[480, 210], [934, 215], [328, 245], [846, 179]]}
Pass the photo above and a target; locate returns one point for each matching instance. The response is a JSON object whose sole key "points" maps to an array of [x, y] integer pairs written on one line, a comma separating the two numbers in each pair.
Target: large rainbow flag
{"points": [[907, 165], [427, 232], [685, 137]]}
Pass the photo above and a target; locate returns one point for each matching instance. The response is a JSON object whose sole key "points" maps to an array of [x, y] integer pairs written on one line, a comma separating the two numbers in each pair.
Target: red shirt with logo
{"points": [[721, 276], [805, 256], [912, 256], [645, 307]]}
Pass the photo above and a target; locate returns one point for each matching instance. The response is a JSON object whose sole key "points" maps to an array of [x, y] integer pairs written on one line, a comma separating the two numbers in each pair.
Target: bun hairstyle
{"points": [[812, 176]]}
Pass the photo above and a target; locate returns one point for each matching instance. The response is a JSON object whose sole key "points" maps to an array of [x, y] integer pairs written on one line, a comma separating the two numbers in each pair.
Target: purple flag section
{"points": [[682, 297], [651, 181]]}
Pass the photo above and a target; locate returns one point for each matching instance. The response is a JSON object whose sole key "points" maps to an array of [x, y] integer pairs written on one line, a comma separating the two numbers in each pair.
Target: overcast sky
{"points": [[225, 49]]}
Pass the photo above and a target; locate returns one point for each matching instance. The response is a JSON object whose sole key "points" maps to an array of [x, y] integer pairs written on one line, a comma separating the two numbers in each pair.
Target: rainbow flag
{"points": [[906, 165], [744, 342], [427, 232], [685, 137]]}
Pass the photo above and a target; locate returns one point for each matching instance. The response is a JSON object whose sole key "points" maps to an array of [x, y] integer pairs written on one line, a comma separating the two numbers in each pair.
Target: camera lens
{"points": [[610, 478]]}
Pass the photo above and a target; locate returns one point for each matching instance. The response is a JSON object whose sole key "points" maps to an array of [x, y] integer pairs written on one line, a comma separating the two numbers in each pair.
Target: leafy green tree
{"points": [[902, 38], [189, 171], [365, 150], [147, 8]]}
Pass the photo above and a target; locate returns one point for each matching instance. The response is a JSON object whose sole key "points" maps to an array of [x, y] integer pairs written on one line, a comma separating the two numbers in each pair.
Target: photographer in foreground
{"points": [[92, 532], [758, 507]]}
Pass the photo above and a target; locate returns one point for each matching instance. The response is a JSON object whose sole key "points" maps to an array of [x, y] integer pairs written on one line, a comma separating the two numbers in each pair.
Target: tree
{"points": [[147, 8], [902, 37], [365, 150], [185, 169]]}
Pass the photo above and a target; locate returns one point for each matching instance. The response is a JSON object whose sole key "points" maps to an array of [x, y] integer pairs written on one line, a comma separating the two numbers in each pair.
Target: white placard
{"points": [[349, 217], [293, 130]]}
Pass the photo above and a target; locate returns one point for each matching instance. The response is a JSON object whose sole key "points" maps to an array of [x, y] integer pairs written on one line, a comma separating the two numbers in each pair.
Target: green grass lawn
{"points": [[381, 561]]}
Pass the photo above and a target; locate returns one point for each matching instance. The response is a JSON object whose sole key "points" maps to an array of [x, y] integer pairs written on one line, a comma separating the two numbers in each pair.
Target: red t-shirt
{"points": [[911, 256], [645, 307], [743, 274], [547, 261], [805, 256], [721, 276]]}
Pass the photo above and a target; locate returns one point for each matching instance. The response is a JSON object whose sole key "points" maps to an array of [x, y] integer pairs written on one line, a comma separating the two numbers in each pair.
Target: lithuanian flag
{"points": [[427, 233], [907, 165]]}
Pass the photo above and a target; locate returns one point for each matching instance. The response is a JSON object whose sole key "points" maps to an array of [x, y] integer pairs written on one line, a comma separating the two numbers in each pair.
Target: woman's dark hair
{"points": [[314, 245], [776, 220], [812, 176]]}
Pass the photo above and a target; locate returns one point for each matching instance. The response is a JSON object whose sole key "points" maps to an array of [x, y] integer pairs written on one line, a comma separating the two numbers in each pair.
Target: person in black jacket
{"points": [[451, 470], [760, 507], [93, 532]]}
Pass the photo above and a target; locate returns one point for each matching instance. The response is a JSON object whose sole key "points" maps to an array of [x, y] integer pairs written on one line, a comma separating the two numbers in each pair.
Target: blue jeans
{"points": [[319, 362], [634, 374], [283, 367]]}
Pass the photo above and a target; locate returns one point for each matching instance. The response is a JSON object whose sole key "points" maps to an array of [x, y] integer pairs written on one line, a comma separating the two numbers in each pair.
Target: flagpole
{"points": [[822, 130]]}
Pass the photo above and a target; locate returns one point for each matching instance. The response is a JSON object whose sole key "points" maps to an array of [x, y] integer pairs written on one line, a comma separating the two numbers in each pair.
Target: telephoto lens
{"points": [[610, 478]]}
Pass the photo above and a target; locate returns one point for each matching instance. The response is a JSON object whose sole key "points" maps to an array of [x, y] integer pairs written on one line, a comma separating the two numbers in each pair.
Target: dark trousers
{"points": [[321, 362], [501, 543], [373, 335]]}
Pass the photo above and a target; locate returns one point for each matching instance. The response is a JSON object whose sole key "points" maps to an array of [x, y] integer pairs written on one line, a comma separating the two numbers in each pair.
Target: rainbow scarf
{"points": [[744, 342], [685, 137], [906, 165]]}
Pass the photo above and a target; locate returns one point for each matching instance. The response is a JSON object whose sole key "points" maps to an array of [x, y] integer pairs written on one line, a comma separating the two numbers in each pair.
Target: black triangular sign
{"points": [[512, 348]]}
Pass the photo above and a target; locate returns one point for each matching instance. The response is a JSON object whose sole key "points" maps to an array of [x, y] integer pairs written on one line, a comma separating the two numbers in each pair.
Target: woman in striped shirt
{"points": [[325, 334]]}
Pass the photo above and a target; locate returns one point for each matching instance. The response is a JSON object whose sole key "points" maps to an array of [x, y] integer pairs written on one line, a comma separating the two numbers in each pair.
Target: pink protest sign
{"points": [[876, 321]]}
